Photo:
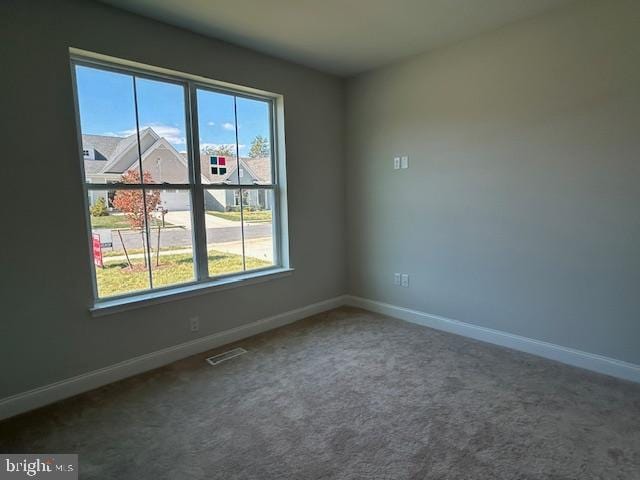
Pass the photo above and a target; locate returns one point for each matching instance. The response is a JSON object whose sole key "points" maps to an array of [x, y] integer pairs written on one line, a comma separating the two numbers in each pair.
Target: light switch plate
{"points": [[404, 162], [396, 163], [405, 279], [396, 279]]}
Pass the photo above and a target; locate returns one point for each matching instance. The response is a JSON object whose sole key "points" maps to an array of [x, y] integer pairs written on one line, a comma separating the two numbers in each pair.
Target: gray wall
{"points": [[520, 210], [46, 331]]}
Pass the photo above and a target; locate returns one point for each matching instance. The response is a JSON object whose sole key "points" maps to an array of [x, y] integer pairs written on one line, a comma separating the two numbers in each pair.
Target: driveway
{"points": [[184, 219]]}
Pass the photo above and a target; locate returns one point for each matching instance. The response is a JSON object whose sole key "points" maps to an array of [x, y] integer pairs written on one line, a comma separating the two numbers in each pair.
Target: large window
{"points": [[181, 179]]}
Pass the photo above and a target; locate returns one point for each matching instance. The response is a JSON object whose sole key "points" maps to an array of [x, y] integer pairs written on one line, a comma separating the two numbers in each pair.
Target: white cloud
{"points": [[228, 126], [172, 134], [211, 124]]}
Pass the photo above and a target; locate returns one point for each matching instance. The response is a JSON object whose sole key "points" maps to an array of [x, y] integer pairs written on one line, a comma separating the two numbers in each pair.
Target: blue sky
{"points": [[107, 108]]}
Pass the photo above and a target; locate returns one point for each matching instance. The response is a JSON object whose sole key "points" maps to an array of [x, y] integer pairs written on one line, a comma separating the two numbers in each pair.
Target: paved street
{"points": [[223, 235], [178, 236]]}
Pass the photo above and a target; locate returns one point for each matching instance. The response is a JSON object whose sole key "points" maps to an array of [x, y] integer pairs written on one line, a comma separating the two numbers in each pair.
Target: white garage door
{"points": [[175, 200]]}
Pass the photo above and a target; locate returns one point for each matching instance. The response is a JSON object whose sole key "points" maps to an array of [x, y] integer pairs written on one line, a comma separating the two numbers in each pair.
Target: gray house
{"points": [[107, 158], [243, 171]]}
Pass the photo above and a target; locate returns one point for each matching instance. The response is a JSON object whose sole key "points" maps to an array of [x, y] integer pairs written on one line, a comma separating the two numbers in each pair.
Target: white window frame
{"points": [[203, 281]]}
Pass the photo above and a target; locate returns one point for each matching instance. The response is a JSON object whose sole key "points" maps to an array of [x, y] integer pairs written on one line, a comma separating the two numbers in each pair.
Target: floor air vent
{"points": [[222, 357]]}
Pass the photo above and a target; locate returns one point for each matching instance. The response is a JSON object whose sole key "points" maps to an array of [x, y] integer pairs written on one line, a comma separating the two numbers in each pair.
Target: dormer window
{"points": [[88, 153]]}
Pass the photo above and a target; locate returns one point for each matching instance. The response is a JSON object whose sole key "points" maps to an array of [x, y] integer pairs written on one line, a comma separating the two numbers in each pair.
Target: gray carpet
{"points": [[348, 395]]}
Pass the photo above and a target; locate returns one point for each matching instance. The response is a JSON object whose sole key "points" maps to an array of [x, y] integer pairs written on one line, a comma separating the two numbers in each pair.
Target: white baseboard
{"points": [[47, 394], [570, 356]]}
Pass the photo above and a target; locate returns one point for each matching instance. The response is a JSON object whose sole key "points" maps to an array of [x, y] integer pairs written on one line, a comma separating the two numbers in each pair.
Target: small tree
{"points": [[99, 209], [132, 203], [259, 147], [220, 150]]}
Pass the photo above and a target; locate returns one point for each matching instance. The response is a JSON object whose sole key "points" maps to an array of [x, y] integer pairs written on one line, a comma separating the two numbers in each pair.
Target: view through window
{"points": [[168, 206]]}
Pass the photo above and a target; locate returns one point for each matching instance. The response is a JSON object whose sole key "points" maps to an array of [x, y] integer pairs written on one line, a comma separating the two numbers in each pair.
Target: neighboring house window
{"points": [[245, 198], [165, 204]]}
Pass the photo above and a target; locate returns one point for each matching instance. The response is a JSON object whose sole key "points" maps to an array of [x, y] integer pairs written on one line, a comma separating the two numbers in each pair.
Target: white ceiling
{"points": [[339, 36]]}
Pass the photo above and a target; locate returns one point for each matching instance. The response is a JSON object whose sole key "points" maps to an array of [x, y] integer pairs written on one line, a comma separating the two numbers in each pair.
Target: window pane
{"points": [[108, 125], [119, 241], [257, 217], [163, 145], [224, 231], [254, 138], [217, 130], [170, 237]]}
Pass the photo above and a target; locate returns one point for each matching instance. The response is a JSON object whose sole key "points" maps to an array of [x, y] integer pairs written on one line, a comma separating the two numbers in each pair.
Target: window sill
{"points": [[107, 307]]}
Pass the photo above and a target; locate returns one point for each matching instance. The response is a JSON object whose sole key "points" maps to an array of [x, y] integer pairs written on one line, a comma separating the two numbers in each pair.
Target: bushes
{"points": [[99, 209]]}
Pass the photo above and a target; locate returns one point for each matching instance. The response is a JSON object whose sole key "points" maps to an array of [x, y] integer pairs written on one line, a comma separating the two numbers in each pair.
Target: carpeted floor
{"points": [[348, 395]]}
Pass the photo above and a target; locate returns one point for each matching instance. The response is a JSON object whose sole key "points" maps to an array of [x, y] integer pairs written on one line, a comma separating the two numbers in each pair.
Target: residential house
{"points": [[107, 158], [245, 172]]}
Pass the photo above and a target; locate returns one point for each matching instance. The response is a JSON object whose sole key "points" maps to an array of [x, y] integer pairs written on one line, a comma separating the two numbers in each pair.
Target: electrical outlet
{"points": [[396, 163], [396, 279], [194, 324], [405, 279], [404, 162]]}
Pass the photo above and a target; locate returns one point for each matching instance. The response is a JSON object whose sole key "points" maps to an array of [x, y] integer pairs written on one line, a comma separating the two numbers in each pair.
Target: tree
{"points": [[259, 147], [131, 202], [99, 209], [220, 150]]}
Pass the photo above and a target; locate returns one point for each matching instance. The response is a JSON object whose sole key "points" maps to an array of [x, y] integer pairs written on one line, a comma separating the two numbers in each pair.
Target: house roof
{"points": [[258, 168], [92, 167], [110, 151], [105, 146], [261, 168]]}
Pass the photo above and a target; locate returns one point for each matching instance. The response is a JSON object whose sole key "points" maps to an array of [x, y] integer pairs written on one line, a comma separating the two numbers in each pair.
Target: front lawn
{"points": [[117, 278], [252, 216], [119, 221]]}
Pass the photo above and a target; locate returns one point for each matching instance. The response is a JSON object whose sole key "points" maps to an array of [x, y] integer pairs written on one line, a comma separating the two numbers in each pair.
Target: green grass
{"points": [[117, 278], [119, 222], [255, 216]]}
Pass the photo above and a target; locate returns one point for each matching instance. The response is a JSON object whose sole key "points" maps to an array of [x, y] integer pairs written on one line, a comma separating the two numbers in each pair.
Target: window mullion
{"points": [[197, 193], [145, 215], [240, 190]]}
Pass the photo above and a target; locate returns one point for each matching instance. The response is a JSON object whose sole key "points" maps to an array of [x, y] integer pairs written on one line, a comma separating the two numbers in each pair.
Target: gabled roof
{"points": [[260, 169], [111, 151], [104, 145], [126, 151]]}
